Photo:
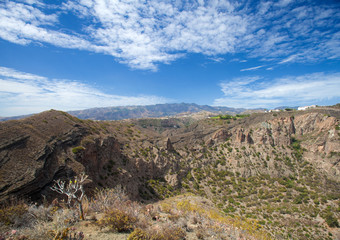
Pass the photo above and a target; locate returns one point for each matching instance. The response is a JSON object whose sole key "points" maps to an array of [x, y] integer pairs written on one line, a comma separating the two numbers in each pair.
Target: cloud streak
{"points": [[255, 92], [145, 33], [252, 68], [24, 93]]}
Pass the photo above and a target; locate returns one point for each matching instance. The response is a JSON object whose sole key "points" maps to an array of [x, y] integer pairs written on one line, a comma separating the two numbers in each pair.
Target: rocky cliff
{"points": [[52, 145]]}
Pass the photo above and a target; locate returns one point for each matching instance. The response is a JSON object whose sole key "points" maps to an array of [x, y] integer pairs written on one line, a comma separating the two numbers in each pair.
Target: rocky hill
{"points": [[280, 169]]}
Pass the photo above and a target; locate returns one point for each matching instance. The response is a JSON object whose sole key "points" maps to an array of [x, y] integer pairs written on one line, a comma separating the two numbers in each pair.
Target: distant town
{"points": [[291, 109]]}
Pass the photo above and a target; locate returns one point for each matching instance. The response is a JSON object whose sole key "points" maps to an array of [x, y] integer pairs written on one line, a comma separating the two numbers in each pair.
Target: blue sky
{"points": [[78, 54]]}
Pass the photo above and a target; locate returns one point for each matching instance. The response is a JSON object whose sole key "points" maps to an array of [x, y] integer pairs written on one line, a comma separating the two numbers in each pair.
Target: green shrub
{"points": [[75, 150], [331, 220]]}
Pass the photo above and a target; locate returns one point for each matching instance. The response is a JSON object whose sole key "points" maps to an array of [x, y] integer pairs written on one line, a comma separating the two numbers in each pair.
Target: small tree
{"points": [[71, 190]]}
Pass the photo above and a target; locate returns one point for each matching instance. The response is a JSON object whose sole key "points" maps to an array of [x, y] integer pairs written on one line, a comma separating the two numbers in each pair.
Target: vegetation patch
{"points": [[78, 149]]}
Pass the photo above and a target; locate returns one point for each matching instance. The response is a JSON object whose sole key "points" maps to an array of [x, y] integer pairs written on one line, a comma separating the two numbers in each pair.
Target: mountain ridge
{"points": [[149, 111], [142, 111]]}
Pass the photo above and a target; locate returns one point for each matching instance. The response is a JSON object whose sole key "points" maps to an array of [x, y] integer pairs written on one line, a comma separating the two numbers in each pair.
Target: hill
{"points": [[279, 169]]}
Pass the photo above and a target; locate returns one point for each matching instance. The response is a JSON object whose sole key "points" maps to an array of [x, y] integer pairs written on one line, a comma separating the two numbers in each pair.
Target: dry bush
{"points": [[36, 222], [174, 217], [118, 221], [107, 198], [10, 214], [119, 209], [143, 221], [33, 215], [86, 206], [103, 200], [195, 218], [59, 222], [162, 231], [166, 231], [138, 234], [133, 209], [68, 234], [64, 218], [201, 234], [41, 213]]}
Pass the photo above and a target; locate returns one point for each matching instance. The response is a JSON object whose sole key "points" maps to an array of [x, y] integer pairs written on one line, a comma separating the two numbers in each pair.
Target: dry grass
{"points": [[11, 213], [171, 219], [163, 231], [201, 217]]}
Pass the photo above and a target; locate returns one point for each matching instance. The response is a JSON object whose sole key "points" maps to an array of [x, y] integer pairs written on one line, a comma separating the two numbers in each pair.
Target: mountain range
{"points": [[149, 111]]}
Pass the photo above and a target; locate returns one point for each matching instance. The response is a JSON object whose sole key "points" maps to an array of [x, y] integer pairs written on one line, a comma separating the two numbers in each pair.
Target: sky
{"points": [[79, 54]]}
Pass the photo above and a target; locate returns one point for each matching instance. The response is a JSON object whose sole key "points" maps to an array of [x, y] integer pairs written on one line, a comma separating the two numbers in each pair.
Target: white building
{"points": [[306, 107]]}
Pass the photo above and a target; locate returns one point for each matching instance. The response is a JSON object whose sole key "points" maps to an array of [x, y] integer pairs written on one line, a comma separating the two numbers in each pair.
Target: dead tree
{"points": [[74, 190]]}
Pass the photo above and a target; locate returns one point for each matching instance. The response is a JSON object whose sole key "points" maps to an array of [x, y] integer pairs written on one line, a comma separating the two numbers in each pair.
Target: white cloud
{"points": [[289, 32], [216, 59], [21, 23], [144, 33], [238, 60], [289, 59], [9, 72], [252, 68], [24, 93], [284, 3], [253, 92]]}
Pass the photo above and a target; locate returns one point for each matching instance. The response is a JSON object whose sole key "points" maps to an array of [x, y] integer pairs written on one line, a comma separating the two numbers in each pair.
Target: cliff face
{"points": [[52, 145], [34, 151], [315, 132]]}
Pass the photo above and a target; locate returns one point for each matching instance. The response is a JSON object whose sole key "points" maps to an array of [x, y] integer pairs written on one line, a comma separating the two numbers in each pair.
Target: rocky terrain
{"points": [[279, 169]]}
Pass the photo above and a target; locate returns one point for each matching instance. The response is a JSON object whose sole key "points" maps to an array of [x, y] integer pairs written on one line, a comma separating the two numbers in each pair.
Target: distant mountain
{"points": [[14, 117], [285, 107], [150, 111]]}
